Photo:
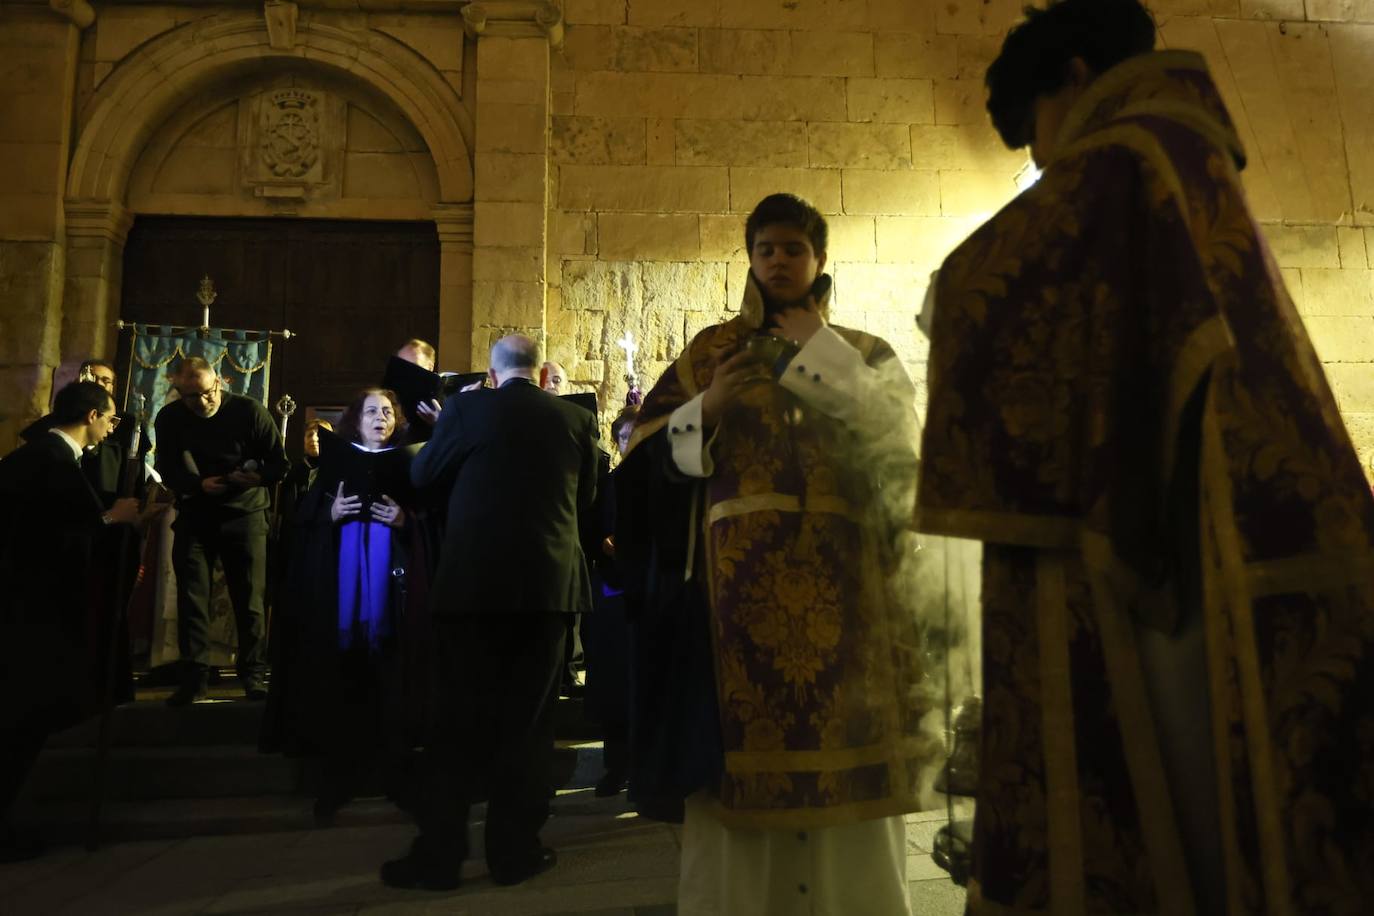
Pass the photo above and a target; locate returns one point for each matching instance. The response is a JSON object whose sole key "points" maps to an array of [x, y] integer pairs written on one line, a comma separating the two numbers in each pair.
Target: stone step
{"points": [[149, 722], [177, 772], [576, 769]]}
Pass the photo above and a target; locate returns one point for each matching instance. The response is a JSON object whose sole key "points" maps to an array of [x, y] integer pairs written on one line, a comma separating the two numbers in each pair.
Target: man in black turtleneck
{"points": [[217, 452]]}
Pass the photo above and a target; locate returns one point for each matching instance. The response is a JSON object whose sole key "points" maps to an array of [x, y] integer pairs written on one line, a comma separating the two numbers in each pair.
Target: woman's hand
{"points": [[386, 511], [344, 506], [731, 376]]}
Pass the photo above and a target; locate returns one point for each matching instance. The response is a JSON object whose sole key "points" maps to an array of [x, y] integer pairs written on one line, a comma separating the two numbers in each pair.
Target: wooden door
{"points": [[352, 291]]}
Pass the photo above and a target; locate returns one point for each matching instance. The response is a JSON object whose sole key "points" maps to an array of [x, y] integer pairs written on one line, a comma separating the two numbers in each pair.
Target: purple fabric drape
{"points": [[364, 583]]}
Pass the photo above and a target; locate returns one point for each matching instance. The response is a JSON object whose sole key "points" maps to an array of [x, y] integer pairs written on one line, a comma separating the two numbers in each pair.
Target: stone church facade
{"points": [[587, 164]]}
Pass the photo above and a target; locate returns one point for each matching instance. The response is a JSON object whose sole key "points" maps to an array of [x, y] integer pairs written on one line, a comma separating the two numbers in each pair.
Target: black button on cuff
{"points": [[676, 430], [816, 377], [802, 888], [801, 835], [801, 368]]}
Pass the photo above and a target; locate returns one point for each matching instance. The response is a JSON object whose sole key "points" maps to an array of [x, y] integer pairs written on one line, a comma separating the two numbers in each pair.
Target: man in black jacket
{"points": [[218, 452], [50, 519], [522, 467]]}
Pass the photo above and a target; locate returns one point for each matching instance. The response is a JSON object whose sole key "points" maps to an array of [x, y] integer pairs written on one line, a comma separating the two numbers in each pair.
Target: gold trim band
{"points": [[779, 502], [849, 758]]}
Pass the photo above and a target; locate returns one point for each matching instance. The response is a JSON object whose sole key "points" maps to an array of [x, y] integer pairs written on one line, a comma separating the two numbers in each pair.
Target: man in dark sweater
{"points": [[217, 452]]}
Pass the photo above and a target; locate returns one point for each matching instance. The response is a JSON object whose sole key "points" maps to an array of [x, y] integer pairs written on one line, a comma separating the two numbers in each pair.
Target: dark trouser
{"points": [[494, 727], [240, 543]]}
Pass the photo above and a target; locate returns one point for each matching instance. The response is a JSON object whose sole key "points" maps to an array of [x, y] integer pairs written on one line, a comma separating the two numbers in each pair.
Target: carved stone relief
{"points": [[290, 143]]}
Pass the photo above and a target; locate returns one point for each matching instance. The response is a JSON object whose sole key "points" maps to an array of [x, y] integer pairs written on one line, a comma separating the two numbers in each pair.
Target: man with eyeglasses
{"points": [[51, 523], [218, 452]]}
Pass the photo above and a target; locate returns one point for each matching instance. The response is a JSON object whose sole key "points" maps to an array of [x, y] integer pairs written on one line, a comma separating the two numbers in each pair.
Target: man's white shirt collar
{"points": [[71, 443]]}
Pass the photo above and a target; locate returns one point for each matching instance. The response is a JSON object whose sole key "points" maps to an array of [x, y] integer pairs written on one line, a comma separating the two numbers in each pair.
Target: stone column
{"points": [[40, 48], [454, 222], [511, 168], [96, 231]]}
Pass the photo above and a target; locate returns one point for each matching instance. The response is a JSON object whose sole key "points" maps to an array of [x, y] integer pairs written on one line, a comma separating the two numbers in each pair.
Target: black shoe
{"points": [[187, 694], [421, 872], [255, 693], [611, 784], [546, 859]]}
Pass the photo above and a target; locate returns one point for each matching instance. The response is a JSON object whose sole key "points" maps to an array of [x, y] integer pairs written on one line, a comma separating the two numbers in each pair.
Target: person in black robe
{"points": [[50, 522], [106, 468], [349, 648]]}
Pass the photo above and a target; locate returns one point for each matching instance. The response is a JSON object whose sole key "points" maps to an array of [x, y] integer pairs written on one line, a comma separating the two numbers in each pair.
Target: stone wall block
{"points": [[711, 95], [511, 128], [650, 236], [988, 17], [913, 55], [1353, 385], [599, 47], [961, 101], [508, 225], [813, 15], [755, 51], [675, 287], [510, 176], [901, 16], [906, 193], [645, 188], [572, 233], [1291, 10], [759, 143], [517, 59], [921, 241], [119, 31], [655, 13], [438, 39], [865, 146], [594, 286], [722, 237], [880, 287], [892, 100], [508, 302], [598, 141], [1352, 59], [661, 143], [978, 194], [1303, 246], [1342, 340], [1347, 293], [974, 148], [973, 54], [594, 12], [1351, 242], [521, 265], [832, 53], [518, 92], [1340, 10], [852, 238], [820, 187]]}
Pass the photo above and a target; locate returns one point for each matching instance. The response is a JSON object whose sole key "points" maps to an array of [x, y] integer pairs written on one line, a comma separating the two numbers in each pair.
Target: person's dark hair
{"points": [[92, 363], [626, 416], [194, 364], [353, 414], [74, 402], [1035, 56], [792, 210]]}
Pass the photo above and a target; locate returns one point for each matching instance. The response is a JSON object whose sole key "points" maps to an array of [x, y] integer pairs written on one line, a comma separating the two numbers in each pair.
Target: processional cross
{"points": [[627, 343]]}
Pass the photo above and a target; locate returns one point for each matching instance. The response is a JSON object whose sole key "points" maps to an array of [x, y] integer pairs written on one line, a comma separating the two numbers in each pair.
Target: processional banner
{"points": [[242, 360]]}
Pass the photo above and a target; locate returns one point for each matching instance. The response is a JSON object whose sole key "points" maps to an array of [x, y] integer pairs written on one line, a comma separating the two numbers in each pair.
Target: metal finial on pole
{"points": [[206, 296]]}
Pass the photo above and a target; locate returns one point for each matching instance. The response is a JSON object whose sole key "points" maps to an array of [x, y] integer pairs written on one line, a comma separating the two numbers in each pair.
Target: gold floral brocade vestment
{"points": [[801, 530], [1125, 407]]}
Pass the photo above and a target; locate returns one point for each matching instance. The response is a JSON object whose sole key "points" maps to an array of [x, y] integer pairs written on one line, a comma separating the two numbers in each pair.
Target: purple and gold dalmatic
{"points": [[1121, 392]]}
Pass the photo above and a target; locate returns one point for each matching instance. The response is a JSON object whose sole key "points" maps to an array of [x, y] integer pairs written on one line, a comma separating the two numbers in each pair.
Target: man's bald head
{"points": [[514, 356]]}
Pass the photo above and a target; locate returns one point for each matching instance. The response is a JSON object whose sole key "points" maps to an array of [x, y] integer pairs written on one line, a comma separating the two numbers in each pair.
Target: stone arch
{"points": [[146, 88]]}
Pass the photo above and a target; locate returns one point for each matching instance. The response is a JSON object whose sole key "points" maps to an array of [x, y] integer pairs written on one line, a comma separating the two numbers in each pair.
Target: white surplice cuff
{"points": [[691, 450]]}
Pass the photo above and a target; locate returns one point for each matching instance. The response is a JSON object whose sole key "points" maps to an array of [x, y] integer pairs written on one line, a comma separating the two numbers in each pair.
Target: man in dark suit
{"points": [[522, 467], [50, 519]]}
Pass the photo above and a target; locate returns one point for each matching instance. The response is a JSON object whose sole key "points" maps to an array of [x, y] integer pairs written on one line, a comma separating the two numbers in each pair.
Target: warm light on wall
{"points": [[1026, 176]]}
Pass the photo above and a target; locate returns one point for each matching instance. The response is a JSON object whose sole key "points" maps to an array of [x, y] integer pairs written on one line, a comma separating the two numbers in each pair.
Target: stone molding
{"points": [[143, 91], [515, 19], [281, 17], [454, 222], [78, 12], [104, 219]]}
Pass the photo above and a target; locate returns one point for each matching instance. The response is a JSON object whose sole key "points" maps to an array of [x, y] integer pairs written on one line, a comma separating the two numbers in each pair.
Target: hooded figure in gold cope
{"points": [[1178, 584]]}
